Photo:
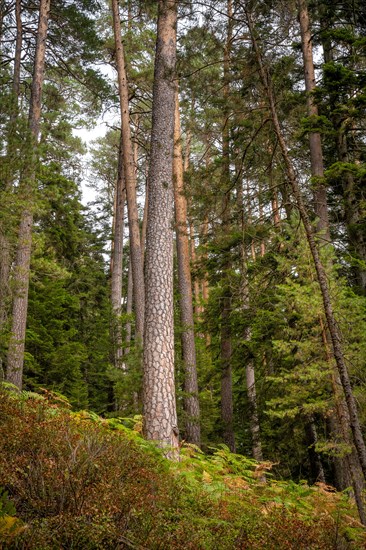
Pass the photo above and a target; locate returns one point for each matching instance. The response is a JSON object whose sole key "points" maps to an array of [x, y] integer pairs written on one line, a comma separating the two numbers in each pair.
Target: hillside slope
{"points": [[76, 481]]}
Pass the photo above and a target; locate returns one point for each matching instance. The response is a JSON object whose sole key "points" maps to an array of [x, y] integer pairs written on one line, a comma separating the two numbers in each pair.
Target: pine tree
{"points": [[160, 417]]}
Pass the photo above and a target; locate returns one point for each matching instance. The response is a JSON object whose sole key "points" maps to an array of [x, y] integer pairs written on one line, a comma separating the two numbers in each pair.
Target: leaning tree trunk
{"points": [[130, 178], [340, 423], [22, 265], [159, 404], [333, 327], [191, 402]]}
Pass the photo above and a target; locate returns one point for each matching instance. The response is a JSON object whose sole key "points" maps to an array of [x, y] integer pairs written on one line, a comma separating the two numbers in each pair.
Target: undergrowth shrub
{"points": [[79, 482]]}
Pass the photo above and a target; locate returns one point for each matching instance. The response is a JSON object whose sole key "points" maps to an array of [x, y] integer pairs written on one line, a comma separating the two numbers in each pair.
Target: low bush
{"points": [[77, 481]]}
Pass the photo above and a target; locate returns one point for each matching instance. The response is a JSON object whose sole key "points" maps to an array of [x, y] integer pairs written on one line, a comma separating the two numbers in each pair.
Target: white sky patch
{"points": [[104, 122]]}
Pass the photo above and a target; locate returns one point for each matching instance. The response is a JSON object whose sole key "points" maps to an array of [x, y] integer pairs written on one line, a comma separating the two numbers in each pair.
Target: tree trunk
{"points": [[129, 308], [316, 151], [250, 372], [351, 473], [191, 402], [159, 405], [8, 171], [316, 466], [321, 273], [226, 345], [22, 264], [196, 282], [245, 300], [130, 178], [116, 263]]}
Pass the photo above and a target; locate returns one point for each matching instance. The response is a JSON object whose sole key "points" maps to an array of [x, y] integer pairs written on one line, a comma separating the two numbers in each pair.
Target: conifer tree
{"points": [[191, 402], [159, 405], [15, 357]]}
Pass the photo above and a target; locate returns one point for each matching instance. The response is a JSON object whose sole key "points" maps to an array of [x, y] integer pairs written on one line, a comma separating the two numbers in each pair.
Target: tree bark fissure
{"points": [[159, 405]]}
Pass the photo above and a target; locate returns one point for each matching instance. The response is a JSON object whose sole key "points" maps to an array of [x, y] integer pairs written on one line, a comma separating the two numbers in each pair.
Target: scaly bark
{"points": [[130, 178], [191, 402], [22, 265], [159, 405]]}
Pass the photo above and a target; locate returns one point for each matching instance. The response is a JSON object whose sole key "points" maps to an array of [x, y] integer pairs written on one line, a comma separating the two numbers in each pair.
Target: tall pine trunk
{"points": [[22, 264], [130, 178], [159, 404], [191, 402]]}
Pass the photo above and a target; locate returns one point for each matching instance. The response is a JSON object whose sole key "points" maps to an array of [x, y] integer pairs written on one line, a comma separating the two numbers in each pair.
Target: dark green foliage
{"points": [[68, 318]]}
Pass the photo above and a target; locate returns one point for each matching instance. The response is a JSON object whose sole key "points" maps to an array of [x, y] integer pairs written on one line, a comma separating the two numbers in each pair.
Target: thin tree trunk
{"points": [[316, 466], [196, 282], [130, 292], [333, 327], [144, 225], [116, 261], [130, 178], [226, 345], [261, 217], [316, 151], [8, 171], [191, 402], [341, 425], [159, 404], [129, 308], [250, 372], [22, 265], [245, 299], [192, 244]]}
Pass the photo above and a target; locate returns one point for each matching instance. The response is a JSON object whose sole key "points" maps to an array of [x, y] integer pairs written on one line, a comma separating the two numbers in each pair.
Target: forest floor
{"points": [[76, 481]]}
